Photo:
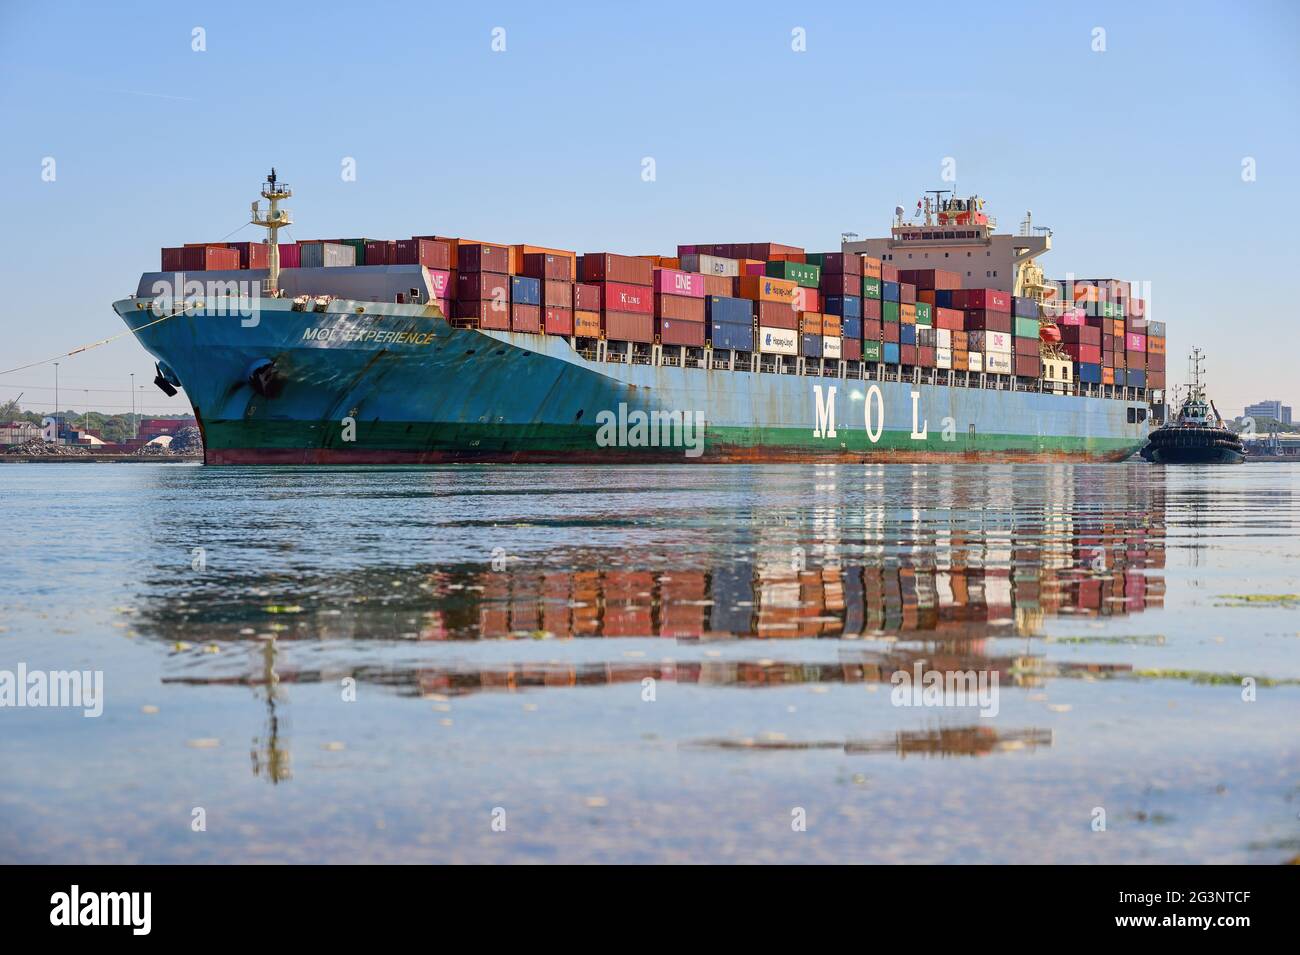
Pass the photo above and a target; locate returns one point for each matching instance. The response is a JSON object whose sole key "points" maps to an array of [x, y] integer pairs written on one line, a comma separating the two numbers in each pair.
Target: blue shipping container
{"points": [[889, 291], [1024, 307], [1089, 374], [722, 309], [735, 336], [846, 306], [943, 298], [1137, 378], [890, 353], [525, 291], [811, 346], [907, 334], [851, 327]]}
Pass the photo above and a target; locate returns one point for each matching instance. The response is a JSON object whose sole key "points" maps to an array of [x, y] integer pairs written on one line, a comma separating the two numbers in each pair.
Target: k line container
{"points": [[623, 297]]}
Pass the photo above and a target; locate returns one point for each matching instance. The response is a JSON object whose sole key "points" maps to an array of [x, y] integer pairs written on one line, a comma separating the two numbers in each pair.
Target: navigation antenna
{"points": [[1195, 360], [273, 221]]}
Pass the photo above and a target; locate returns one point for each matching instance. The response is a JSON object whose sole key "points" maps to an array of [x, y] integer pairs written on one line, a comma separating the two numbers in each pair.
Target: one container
{"points": [[676, 282]]}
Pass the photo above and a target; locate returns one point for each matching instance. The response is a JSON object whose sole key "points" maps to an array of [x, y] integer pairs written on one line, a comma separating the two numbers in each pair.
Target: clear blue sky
{"points": [[1133, 155]]}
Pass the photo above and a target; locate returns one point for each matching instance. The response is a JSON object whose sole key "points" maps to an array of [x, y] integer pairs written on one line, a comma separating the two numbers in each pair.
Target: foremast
{"points": [[273, 221]]}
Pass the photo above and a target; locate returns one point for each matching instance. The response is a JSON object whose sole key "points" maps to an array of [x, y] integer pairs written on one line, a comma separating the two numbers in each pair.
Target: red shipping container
{"points": [[890, 332], [1081, 334], [930, 279], [628, 326], [557, 321], [379, 252], [677, 282], [953, 319], [557, 294], [984, 320], [625, 269], [840, 263], [253, 255], [768, 251], [717, 285], [541, 265], [990, 299], [888, 273], [673, 331], [872, 331], [807, 300], [871, 310], [1155, 361], [1028, 366], [777, 315], [488, 313], [837, 283], [907, 354], [851, 349], [173, 259], [441, 282], [1156, 380], [1135, 359], [586, 298], [623, 297], [906, 293], [925, 356], [679, 307], [1025, 346], [526, 318], [1088, 354], [482, 257], [430, 253], [209, 258], [290, 255], [471, 286]]}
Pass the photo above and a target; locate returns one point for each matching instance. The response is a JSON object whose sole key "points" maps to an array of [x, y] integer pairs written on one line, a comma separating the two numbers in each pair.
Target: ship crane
{"points": [[273, 221]]}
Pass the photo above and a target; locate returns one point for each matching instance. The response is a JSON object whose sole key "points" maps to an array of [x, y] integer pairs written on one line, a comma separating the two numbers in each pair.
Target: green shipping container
{"points": [[815, 258], [806, 275], [870, 287], [871, 351], [923, 313], [1026, 327], [889, 311]]}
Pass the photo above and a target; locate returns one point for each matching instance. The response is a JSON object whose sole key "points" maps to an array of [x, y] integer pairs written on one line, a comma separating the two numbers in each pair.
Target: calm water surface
{"points": [[653, 664]]}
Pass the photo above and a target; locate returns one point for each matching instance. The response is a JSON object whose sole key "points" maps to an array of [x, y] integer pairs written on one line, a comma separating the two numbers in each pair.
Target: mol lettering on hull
{"points": [[873, 413]]}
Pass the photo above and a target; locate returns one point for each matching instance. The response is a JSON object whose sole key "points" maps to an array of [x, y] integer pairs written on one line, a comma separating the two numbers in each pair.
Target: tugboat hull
{"points": [[1192, 455], [1179, 444]]}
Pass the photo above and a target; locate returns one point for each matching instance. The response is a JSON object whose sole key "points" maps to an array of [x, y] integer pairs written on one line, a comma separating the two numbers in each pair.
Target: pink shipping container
{"points": [[755, 268], [989, 299], [1071, 316], [586, 298], [675, 282], [440, 282], [622, 297], [1134, 342], [290, 255]]}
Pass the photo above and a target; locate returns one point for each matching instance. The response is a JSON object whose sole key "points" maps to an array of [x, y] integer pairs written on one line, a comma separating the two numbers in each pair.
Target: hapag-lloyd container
{"points": [[974, 361], [764, 289], [998, 363], [942, 356], [810, 323], [778, 341], [676, 282], [625, 297], [586, 323], [832, 347]]}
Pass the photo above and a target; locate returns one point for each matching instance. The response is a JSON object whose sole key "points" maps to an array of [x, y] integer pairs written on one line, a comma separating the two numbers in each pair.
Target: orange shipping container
{"points": [[760, 288], [907, 313], [831, 325], [925, 295], [810, 323], [960, 361], [1108, 376], [1155, 345], [670, 263], [586, 324], [1117, 326], [871, 268]]}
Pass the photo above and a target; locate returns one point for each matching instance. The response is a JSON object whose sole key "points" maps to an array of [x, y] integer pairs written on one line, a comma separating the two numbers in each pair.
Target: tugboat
{"points": [[1196, 435]]}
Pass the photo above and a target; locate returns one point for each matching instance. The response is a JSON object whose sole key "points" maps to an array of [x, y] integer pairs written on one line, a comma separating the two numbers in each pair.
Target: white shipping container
{"points": [[990, 342], [997, 363], [710, 265], [942, 356], [315, 255], [777, 341], [831, 347], [974, 361], [943, 338]]}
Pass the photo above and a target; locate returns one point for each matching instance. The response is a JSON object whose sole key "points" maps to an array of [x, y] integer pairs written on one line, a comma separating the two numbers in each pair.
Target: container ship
{"points": [[941, 342]]}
